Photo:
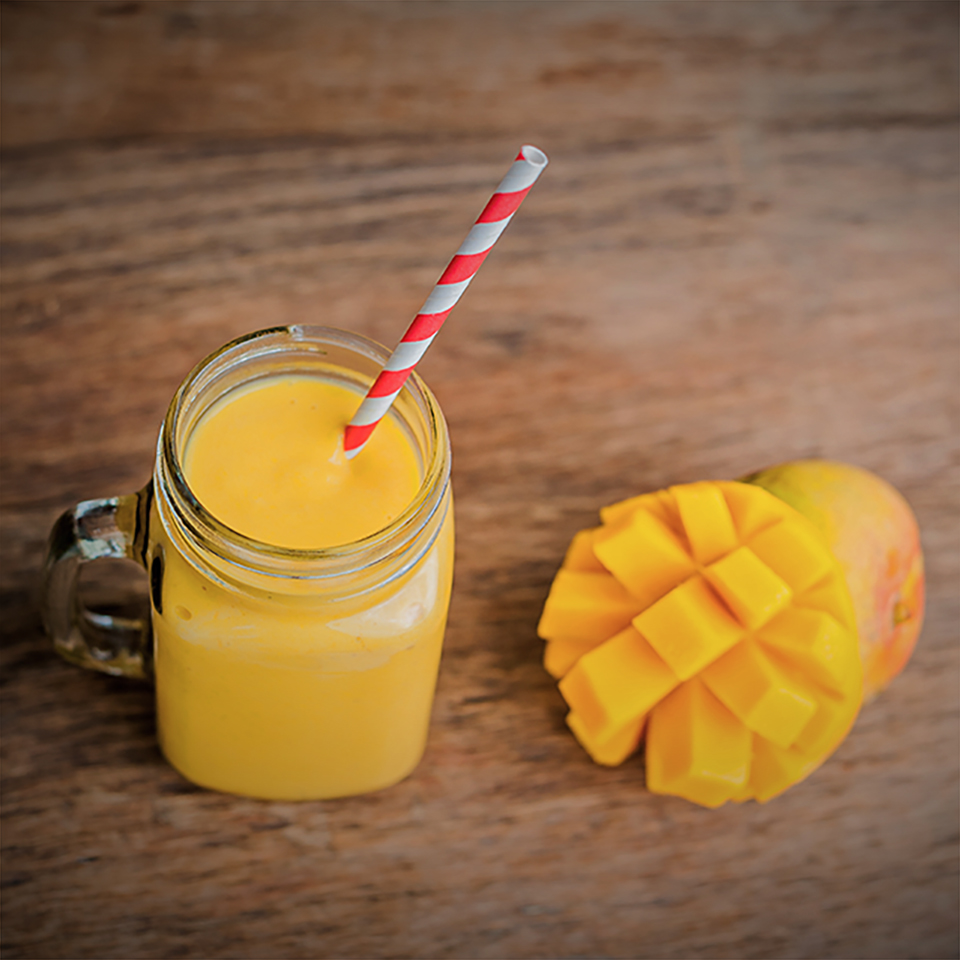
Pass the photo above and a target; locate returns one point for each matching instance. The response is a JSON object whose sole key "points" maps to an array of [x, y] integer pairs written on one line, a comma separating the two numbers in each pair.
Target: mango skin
{"points": [[874, 534]]}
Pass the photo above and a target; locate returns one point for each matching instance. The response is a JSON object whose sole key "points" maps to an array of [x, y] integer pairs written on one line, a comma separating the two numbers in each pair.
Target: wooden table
{"points": [[744, 251]]}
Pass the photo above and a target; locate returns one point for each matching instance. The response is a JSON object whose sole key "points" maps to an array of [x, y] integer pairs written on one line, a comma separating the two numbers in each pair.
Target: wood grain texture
{"points": [[745, 250]]}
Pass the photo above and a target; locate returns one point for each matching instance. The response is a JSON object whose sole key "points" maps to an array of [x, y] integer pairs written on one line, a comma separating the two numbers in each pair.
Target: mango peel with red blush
{"points": [[729, 626], [872, 531]]}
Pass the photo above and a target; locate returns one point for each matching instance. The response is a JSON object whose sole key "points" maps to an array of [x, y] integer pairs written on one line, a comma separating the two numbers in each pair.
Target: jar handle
{"points": [[111, 527]]}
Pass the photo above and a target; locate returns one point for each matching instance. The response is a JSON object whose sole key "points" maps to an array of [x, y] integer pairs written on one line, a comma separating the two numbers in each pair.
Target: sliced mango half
{"points": [[711, 623]]}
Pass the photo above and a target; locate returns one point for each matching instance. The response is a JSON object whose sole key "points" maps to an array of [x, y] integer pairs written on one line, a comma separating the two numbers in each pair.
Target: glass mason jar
{"points": [[280, 673]]}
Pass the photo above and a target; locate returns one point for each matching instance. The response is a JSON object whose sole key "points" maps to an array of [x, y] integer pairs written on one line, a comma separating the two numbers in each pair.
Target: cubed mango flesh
{"points": [[696, 748], [580, 555], [690, 627], [560, 655], [617, 683], [748, 586], [615, 749], [814, 642], [584, 605], [659, 504], [794, 552], [644, 554], [711, 622], [706, 519], [761, 694]]}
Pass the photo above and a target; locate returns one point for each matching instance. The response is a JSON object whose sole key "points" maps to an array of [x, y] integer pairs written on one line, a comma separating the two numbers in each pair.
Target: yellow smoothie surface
{"points": [[267, 460]]}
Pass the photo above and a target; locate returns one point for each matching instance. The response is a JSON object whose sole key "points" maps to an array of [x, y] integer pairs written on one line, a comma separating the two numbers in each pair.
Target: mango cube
{"points": [[760, 693], [794, 551], [776, 768], [826, 597], [644, 554], [696, 748], [749, 587], [752, 513], [616, 683], [706, 519], [580, 555], [560, 655], [612, 751], [830, 724], [814, 643], [585, 606], [689, 627]]}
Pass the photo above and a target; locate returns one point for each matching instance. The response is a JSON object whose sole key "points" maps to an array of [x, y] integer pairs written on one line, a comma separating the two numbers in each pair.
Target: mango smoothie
{"points": [[286, 687]]}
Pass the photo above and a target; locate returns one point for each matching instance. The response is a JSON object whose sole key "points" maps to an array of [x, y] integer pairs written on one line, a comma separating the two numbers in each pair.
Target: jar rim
{"points": [[259, 556]]}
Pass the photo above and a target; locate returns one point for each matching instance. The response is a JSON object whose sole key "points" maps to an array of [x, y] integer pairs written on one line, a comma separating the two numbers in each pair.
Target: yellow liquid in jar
{"points": [[268, 461], [277, 693]]}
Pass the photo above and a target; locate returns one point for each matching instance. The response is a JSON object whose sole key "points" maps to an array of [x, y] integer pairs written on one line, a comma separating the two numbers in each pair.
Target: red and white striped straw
{"points": [[498, 212]]}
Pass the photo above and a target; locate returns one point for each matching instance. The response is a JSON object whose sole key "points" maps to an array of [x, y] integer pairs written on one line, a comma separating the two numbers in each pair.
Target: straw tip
{"points": [[534, 155]]}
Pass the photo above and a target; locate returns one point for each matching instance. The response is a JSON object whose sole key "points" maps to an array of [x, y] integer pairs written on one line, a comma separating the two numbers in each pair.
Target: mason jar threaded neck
{"points": [[356, 567]]}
